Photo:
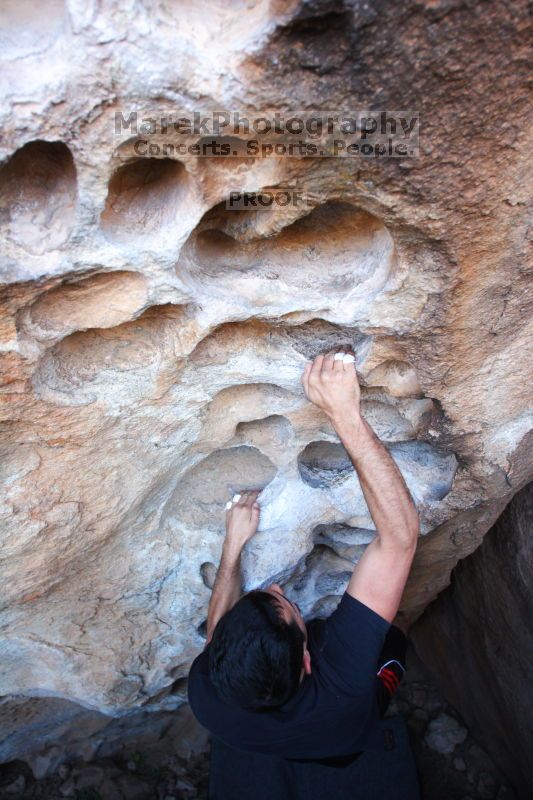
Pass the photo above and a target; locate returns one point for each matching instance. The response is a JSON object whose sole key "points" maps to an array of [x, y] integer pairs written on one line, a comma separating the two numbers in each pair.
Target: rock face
{"points": [[476, 638], [152, 341]]}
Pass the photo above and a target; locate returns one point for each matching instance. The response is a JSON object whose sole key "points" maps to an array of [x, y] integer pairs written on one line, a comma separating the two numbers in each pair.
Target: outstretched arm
{"points": [[379, 578], [241, 524]]}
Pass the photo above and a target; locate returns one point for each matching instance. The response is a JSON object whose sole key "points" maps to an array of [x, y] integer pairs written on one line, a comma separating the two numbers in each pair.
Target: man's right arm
{"points": [[379, 578]]}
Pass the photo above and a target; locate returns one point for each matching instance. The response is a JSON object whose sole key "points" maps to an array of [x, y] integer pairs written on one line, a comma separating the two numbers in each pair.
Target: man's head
{"points": [[258, 653]]}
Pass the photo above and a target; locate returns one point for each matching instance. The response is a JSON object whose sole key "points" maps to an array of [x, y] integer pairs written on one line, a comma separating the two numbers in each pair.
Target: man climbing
{"points": [[293, 708]]}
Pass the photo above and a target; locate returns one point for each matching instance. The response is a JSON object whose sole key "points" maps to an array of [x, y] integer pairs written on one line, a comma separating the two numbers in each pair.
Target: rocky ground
{"points": [[451, 764], [129, 777]]}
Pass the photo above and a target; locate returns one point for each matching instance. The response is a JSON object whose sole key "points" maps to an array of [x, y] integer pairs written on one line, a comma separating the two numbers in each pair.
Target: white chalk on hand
{"points": [[231, 503], [346, 358]]}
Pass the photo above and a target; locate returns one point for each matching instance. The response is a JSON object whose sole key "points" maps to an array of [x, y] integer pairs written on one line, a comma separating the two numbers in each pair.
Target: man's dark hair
{"points": [[255, 656]]}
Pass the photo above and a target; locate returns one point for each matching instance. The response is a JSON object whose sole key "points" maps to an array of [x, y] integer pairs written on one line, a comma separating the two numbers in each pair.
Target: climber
{"points": [[291, 705]]}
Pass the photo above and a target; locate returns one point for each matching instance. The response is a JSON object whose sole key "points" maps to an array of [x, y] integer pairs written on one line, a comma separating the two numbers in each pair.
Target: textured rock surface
{"points": [[476, 639], [151, 342]]}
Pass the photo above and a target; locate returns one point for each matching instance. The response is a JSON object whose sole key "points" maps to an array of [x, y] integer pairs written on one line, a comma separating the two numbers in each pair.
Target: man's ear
{"points": [[307, 661]]}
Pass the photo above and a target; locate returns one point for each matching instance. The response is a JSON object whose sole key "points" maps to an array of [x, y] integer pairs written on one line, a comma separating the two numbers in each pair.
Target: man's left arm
{"points": [[242, 520]]}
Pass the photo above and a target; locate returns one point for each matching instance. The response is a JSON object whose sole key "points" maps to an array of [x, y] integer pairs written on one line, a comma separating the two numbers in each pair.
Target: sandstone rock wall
{"points": [[152, 342]]}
